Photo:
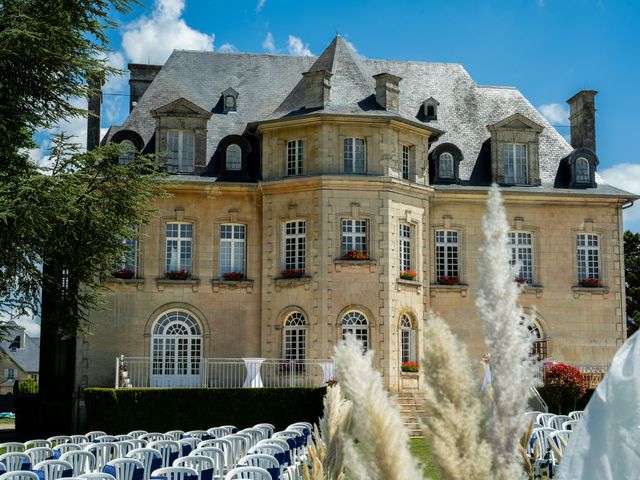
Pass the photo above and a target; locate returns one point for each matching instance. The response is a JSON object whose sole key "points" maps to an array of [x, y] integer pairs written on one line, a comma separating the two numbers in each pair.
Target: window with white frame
{"points": [[521, 244], [405, 162], [406, 247], [407, 340], [588, 250], [180, 151], [179, 243], [582, 170], [356, 324], [294, 245], [176, 350], [127, 153], [447, 254], [445, 165], [11, 373], [295, 154], [130, 258], [354, 155], [354, 235], [294, 337], [515, 163], [233, 158], [232, 248]]}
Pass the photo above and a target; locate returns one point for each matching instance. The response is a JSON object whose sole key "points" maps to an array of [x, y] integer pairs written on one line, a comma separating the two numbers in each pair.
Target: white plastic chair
{"points": [[120, 438], [97, 476], [199, 434], [543, 418], [138, 443], [280, 442], [37, 444], [557, 420], [152, 437], [540, 437], [53, 469], [146, 456], [67, 447], [217, 432], [125, 468], [12, 447], [221, 444], [261, 460], [175, 473], [256, 435], [558, 442], [19, 475], [216, 455], [173, 435], [576, 414], [570, 425], [104, 453], [531, 416], [269, 427], [192, 442], [95, 434], [240, 445], [124, 447], [78, 439], [39, 454], [198, 462], [3, 468], [253, 473], [105, 439], [137, 433], [81, 461], [59, 440], [166, 449]]}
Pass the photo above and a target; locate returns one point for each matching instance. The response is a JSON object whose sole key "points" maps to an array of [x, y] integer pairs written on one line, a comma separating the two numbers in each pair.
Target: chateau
{"points": [[318, 196]]}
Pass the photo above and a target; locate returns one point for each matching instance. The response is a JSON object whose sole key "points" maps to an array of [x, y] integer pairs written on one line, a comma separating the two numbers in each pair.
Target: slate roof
{"points": [[27, 358], [270, 87]]}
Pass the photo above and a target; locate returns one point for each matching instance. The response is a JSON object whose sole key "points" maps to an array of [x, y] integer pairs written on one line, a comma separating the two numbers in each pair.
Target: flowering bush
{"points": [[292, 273], [590, 282], [177, 274], [123, 273], [563, 382], [355, 255], [409, 367], [408, 275], [233, 276], [450, 280]]}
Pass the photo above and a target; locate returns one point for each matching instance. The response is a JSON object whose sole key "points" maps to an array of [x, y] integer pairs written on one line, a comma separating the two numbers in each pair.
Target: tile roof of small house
{"points": [[27, 357]]}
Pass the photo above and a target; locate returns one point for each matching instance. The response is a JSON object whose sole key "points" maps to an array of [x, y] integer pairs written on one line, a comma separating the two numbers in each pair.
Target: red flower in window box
{"points": [[292, 273], [233, 276], [449, 280], [521, 280], [408, 275], [123, 273], [409, 367], [177, 274], [590, 282], [355, 255]]}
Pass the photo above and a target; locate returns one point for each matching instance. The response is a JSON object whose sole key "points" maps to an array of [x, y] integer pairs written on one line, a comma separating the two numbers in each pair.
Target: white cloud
{"points": [[260, 5], [227, 48], [297, 48], [269, 44], [555, 113], [627, 177], [355, 50], [30, 323], [151, 39]]}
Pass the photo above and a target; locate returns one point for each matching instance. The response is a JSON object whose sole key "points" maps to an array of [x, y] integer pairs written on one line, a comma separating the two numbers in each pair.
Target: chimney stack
{"points": [[94, 107], [140, 78], [388, 91], [317, 87], [582, 118]]}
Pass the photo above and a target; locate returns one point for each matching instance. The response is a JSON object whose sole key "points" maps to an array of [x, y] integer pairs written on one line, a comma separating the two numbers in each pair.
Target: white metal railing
{"points": [[140, 372], [593, 374]]}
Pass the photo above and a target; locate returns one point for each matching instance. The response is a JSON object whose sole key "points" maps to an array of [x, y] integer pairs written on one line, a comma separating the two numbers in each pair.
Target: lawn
{"points": [[422, 452]]}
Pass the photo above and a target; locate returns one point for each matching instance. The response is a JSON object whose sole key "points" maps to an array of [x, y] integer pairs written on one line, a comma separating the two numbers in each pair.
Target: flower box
{"points": [[233, 276], [408, 275], [355, 255], [292, 273], [123, 273], [449, 280], [177, 275], [590, 282], [409, 367]]}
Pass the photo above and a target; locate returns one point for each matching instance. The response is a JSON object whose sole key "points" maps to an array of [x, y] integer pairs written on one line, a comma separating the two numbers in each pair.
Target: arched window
{"points": [[446, 165], [176, 350], [407, 340], [127, 153], [234, 158], [294, 337], [355, 323], [582, 170], [539, 345]]}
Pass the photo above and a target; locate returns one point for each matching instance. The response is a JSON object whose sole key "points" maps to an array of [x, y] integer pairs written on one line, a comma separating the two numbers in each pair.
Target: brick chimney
{"points": [[388, 91], [582, 118], [140, 78], [94, 107], [317, 87]]}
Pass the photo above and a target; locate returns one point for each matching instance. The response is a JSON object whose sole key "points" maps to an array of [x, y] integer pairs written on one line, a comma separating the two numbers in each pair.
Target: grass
{"points": [[7, 420], [422, 452]]}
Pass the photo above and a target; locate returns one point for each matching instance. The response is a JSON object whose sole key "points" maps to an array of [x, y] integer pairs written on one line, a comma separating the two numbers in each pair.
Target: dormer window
{"points": [[230, 100], [430, 109], [443, 165], [514, 157], [582, 170], [582, 166], [234, 158], [127, 153]]}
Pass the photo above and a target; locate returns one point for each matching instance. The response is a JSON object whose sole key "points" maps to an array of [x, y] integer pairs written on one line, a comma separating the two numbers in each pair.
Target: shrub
{"points": [[590, 282], [28, 386], [162, 409], [563, 383]]}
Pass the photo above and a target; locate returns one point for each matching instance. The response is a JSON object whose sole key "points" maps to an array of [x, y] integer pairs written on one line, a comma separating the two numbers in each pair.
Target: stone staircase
{"points": [[410, 404]]}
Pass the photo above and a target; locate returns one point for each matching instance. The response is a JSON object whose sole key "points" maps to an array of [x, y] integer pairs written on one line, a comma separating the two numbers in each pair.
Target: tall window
{"points": [[179, 239], [234, 158], [407, 340], [128, 152], [232, 248], [295, 154], [355, 323], [130, 259], [582, 170], [354, 155], [406, 247], [515, 163], [539, 346], [294, 337], [445, 165], [294, 245], [521, 244], [405, 162], [588, 249], [447, 254], [180, 151], [354, 235], [11, 373]]}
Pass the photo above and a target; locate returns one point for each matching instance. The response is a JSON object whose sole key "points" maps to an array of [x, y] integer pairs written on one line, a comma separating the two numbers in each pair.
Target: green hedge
{"points": [[162, 409]]}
